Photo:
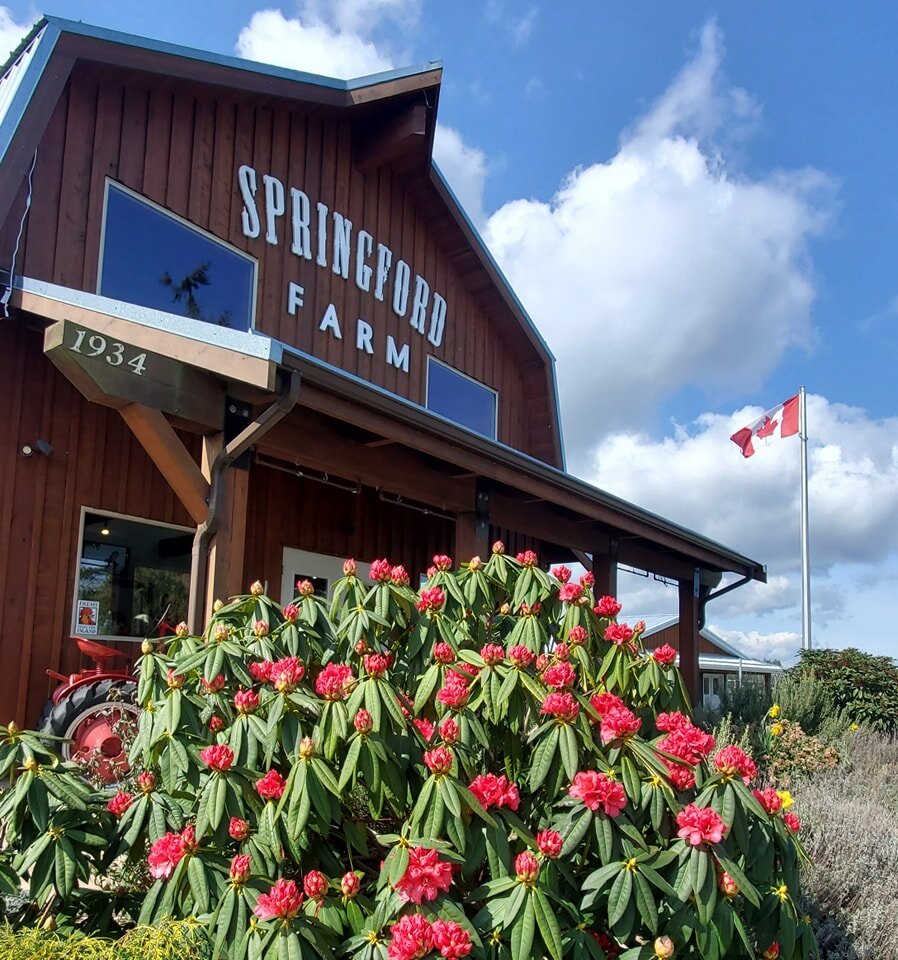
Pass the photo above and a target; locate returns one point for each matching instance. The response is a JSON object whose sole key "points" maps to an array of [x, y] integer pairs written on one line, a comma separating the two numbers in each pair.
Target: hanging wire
{"points": [[15, 254]]}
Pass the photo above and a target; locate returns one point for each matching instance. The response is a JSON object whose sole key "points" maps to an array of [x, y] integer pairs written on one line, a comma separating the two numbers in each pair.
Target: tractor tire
{"points": [[87, 719]]}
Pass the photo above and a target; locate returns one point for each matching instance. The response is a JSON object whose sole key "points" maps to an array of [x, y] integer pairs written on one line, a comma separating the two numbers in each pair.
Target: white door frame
{"points": [[312, 565]]}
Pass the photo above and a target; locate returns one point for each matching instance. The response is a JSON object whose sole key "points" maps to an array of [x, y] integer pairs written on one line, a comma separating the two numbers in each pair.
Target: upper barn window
{"points": [[454, 395], [153, 258]]}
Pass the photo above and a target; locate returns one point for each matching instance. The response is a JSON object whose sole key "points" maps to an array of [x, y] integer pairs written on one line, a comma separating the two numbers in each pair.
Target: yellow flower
{"points": [[774, 711], [782, 892], [786, 797], [854, 727], [776, 729]]}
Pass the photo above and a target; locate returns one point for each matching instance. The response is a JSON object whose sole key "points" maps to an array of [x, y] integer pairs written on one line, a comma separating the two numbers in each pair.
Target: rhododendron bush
{"points": [[491, 767]]}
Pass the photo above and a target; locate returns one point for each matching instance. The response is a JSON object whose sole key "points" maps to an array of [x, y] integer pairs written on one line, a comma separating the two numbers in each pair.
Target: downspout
{"points": [[199, 564]]}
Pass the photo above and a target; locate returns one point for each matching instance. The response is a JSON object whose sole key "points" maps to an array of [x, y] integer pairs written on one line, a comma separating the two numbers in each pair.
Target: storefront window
{"points": [[133, 578], [453, 395], [152, 258]]}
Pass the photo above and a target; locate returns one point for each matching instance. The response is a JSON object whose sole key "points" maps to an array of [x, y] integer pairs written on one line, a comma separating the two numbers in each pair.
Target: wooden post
{"points": [[690, 640], [472, 528], [604, 569]]}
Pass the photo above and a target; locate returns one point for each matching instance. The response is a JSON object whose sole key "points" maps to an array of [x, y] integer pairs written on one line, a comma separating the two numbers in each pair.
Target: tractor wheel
{"points": [[92, 718]]}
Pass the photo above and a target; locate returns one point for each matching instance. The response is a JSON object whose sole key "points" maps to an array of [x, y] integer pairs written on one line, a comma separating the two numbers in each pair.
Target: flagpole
{"points": [[805, 547]]}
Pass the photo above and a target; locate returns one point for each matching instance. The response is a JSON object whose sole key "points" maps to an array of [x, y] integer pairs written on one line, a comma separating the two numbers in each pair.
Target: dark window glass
{"points": [[153, 259], [457, 397]]}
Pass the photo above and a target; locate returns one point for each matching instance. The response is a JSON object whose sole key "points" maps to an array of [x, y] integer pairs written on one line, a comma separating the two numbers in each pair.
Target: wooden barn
{"points": [[249, 331]]}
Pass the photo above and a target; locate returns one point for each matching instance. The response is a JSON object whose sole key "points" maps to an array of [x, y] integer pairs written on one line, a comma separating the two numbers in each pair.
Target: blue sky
{"points": [[709, 195]]}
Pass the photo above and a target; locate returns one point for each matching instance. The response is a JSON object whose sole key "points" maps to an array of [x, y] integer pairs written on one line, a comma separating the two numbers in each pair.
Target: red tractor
{"points": [[93, 710]]}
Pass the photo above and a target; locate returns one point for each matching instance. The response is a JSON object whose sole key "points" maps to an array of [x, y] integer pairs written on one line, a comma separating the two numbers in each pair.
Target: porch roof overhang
{"points": [[432, 460]]}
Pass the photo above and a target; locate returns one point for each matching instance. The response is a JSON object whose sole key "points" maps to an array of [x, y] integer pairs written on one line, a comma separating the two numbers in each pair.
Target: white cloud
{"points": [[11, 32], [465, 167], [780, 645], [660, 268]]}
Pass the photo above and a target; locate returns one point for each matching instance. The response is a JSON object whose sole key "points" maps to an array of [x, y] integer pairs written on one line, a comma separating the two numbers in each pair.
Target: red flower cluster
{"points": [[562, 706], [424, 726], [603, 702], [561, 573], [120, 803], [450, 731], [732, 760], [246, 701], [492, 654], [618, 723], [700, 825], [282, 902], [560, 676], [216, 724], [218, 757], [570, 593], [442, 562], [685, 742], [333, 681], [665, 655], [377, 664], [425, 877], [792, 822], [495, 791], [284, 675], [432, 599], [414, 936], [215, 685], [607, 607], [561, 651], [380, 571], [443, 652], [526, 867], [146, 780], [439, 761], [578, 636], [238, 829], [454, 693], [528, 558], [618, 633], [769, 799], [520, 656], [549, 843], [587, 580], [166, 853], [291, 613], [598, 790], [271, 786], [399, 576]]}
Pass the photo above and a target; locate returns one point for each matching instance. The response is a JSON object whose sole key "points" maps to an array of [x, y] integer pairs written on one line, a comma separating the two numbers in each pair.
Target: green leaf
{"points": [[569, 751], [548, 925], [619, 897], [645, 902], [523, 930], [543, 756], [350, 764]]}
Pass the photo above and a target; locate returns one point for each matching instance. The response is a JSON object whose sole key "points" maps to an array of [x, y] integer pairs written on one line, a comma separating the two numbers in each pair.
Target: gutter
{"points": [[703, 601], [199, 562]]}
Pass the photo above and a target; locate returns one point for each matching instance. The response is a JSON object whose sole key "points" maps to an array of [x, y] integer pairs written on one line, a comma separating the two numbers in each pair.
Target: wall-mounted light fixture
{"points": [[42, 447], [104, 529]]}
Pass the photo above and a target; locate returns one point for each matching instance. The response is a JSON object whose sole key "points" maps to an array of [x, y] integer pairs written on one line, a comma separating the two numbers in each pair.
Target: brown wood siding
{"points": [[180, 146], [288, 511], [96, 463]]}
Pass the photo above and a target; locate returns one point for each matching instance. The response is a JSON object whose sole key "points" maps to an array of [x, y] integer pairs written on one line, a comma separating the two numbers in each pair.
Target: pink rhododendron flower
{"points": [[246, 701], [334, 681], [450, 730], [700, 825], [681, 776], [216, 723], [454, 693], [618, 723], [577, 636], [442, 562], [315, 885], [618, 633], [562, 706], [498, 547], [305, 588], [146, 780], [492, 653], [425, 727], [188, 838], [261, 628], [261, 671], [284, 675], [769, 799], [412, 938], [214, 685], [120, 803], [350, 885], [282, 902], [792, 822], [560, 676], [520, 656], [425, 877], [443, 653], [597, 790], [238, 829], [587, 580], [380, 571], [542, 661], [732, 761], [727, 885], [165, 854], [431, 598], [291, 613], [528, 558], [495, 791], [240, 869], [606, 607], [549, 843], [451, 939], [376, 664], [684, 741], [271, 786], [664, 655], [362, 722], [399, 576], [439, 761], [603, 702], [561, 573], [218, 757], [526, 867], [349, 568], [561, 652], [570, 593]]}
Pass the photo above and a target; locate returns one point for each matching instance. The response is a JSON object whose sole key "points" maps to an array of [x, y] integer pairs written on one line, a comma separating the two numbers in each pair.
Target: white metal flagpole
{"points": [[805, 548]]}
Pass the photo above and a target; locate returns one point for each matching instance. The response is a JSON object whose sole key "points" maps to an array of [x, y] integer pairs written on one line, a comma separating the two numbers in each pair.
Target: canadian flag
{"points": [[781, 421]]}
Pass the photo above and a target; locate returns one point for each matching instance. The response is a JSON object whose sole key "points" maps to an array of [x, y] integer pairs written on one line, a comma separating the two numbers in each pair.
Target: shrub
{"points": [[810, 702], [792, 753], [863, 685], [491, 767], [850, 824]]}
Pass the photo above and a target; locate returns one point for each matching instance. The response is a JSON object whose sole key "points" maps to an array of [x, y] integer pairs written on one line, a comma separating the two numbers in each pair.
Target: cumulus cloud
{"points": [[11, 32], [660, 268], [781, 645], [465, 167]]}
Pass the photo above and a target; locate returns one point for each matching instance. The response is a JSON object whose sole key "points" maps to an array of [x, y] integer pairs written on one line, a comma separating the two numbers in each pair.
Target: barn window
{"points": [[153, 258], [456, 396], [133, 577]]}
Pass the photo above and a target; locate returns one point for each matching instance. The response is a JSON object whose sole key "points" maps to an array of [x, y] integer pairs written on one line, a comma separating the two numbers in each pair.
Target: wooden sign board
{"points": [[115, 373]]}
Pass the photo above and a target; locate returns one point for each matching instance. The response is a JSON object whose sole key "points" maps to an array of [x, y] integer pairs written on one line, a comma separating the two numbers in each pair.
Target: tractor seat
{"points": [[98, 652]]}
